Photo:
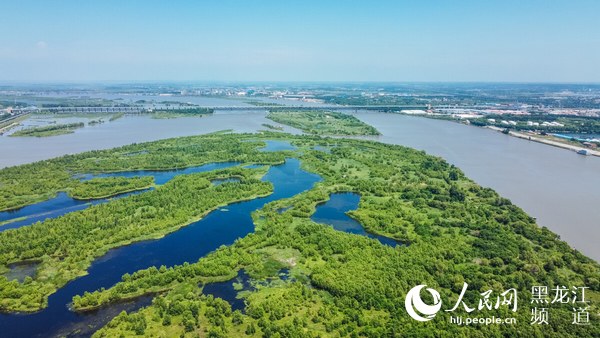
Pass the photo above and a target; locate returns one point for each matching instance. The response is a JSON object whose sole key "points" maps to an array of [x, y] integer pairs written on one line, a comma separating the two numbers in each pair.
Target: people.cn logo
{"points": [[417, 309]]}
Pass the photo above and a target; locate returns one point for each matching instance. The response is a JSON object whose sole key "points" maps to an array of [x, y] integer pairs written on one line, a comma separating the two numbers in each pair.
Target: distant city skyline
{"points": [[300, 41]]}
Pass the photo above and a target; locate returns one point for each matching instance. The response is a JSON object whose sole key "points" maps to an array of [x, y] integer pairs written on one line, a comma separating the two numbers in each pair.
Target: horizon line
{"points": [[98, 82]]}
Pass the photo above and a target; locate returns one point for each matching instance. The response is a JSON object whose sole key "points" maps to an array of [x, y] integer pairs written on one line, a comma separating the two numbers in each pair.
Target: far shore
{"points": [[549, 142]]}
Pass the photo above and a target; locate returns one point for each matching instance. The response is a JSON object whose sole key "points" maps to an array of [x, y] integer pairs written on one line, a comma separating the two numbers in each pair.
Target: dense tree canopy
{"points": [[323, 123], [342, 284]]}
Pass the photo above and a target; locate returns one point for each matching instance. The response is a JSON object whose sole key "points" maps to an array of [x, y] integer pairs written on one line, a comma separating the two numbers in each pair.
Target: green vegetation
{"points": [[182, 112], [339, 284], [51, 130], [116, 117], [67, 245], [95, 122], [74, 102], [35, 182], [264, 104], [374, 100], [349, 285], [8, 124], [323, 123], [7, 119], [272, 127], [109, 186]]}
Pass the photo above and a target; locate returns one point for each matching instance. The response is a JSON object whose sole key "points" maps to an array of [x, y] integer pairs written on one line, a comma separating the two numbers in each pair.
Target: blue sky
{"points": [[509, 41]]}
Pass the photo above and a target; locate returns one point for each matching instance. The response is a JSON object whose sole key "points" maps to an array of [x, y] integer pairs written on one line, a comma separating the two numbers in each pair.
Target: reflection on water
{"points": [[228, 290], [84, 325], [52, 208], [333, 212], [276, 145], [63, 203], [187, 244]]}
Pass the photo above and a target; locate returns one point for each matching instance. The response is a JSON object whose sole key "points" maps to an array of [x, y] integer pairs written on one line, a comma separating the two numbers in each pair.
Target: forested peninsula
{"points": [[451, 231]]}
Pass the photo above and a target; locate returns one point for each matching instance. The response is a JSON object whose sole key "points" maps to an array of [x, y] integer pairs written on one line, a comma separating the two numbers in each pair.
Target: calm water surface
{"points": [[558, 187], [333, 212], [63, 203], [126, 130], [220, 227], [225, 290]]}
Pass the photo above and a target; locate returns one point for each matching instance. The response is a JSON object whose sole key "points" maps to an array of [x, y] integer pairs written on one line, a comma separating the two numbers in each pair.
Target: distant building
{"points": [[552, 124]]}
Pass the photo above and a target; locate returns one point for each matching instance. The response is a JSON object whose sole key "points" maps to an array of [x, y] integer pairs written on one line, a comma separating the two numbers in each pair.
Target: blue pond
{"points": [[62, 203], [323, 149], [273, 145], [226, 291], [333, 212], [185, 245]]}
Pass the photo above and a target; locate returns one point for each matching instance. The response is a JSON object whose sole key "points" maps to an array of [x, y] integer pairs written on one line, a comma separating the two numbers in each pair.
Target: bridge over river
{"points": [[143, 109]]}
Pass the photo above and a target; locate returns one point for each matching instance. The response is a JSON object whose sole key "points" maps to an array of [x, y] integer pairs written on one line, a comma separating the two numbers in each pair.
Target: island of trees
{"points": [[180, 112], [51, 130], [103, 187], [323, 123]]}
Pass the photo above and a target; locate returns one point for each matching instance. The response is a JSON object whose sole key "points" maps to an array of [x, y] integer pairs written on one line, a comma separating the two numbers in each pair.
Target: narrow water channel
{"points": [[63, 203], [220, 227]]}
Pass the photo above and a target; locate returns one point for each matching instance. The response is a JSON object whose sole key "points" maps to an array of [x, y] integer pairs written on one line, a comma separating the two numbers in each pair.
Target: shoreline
{"points": [[557, 144]]}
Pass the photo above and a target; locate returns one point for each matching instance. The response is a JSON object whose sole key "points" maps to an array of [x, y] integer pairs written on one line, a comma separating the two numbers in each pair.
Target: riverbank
{"points": [[12, 122], [114, 225], [531, 174], [324, 263], [50, 130], [546, 141]]}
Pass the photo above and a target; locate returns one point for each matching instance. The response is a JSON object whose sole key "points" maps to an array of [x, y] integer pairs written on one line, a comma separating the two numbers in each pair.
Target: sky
{"points": [[251, 40]]}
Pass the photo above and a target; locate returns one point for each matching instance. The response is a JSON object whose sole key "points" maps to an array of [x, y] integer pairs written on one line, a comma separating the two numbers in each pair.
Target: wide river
{"points": [[558, 187]]}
